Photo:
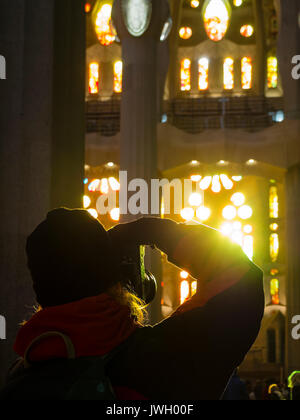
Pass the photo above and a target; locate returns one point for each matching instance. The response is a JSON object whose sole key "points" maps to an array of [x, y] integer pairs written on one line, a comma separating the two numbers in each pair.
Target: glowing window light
{"points": [[104, 189], [274, 272], [245, 212], [237, 178], [272, 72], [274, 247], [226, 181], [185, 33], [216, 19], [248, 246], [94, 78], [110, 164], [93, 212], [203, 66], [247, 31], [103, 25], [203, 213], [238, 199], [184, 275], [237, 3], [195, 200], [186, 75], [237, 226], [216, 184], [195, 4], [274, 227], [86, 201], [205, 183], [118, 75], [95, 185], [229, 213], [187, 214], [87, 7], [226, 229], [196, 178], [184, 291], [115, 214], [248, 229], [194, 287], [114, 184], [228, 73], [247, 70], [274, 203], [274, 289], [237, 237]]}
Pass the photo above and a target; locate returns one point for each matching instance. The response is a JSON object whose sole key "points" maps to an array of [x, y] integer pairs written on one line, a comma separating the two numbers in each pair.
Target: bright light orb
{"points": [[216, 184], [86, 201], [93, 212], [104, 189], [245, 212], [237, 178], [115, 214], [203, 213], [95, 185], [103, 25], [195, 4], [238, 199], [205, 183], [226, 181], [185, 33], [237, 3], [196, 178], [226, 229], [114, 184], [248, 229], [229, 213], [195, 200], [187, 214], [237, 226], [184, 275], [184, 291], [247, 31]]}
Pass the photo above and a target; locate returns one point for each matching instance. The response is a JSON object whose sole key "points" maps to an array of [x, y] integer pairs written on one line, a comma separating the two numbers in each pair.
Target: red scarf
{"points": [[95, 325]]}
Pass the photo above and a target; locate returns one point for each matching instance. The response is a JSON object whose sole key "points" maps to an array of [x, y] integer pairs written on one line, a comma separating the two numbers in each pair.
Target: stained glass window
{"points": [[185, 75], [228, 74], [194, 287], [216, 18], [118, 74], [274, 203], [247, 73], [275, 291], [272, 72], [203, 73], [247, 31], [185, 33], [94, 78], [274, 246], [184, 291], [103, 24]]}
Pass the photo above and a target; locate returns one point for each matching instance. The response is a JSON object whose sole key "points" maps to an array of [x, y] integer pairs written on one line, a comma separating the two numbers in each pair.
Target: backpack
{"points": [[71, 379]]}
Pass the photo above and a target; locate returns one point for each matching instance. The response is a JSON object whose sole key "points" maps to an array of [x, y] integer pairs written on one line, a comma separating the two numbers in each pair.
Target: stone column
{"points": [[293, 263], [261, 47], [288, 48], [41, 136]]}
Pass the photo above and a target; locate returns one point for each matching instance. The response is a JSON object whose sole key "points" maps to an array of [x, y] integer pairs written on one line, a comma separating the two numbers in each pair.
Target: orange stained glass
{"points": [[274, 247], [247, 73], [247, 31], [185, 33], [216, 18], [228, 73], [272, 72], [118, 76], [184, 291], [103, 25], [274, 287], [203, 73], [274, 203], [194, 287], [185, 75], [94, 76]]}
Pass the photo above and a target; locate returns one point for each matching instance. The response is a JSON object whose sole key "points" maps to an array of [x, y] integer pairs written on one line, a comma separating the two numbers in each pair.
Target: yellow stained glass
{"points": [[228, 73], [274, 203], [185, 75], [185, 32], [247, 70], [184, 291], [247, 31], [103, 24], [118, 75], [94, 77], [274, 287], [274, 247], [194, 287], [216, 18], [272, 72], [203, 73]]}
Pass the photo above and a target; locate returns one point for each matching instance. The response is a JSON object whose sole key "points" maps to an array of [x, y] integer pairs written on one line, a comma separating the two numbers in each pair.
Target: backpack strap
{"points": [[68, 343]]}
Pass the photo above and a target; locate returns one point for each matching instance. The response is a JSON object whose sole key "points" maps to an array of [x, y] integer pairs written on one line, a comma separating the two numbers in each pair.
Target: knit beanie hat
{"points": [[69, 257]]}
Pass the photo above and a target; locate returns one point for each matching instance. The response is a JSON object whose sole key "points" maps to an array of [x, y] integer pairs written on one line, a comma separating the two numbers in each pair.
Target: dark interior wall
{"points": [[41, 136]]}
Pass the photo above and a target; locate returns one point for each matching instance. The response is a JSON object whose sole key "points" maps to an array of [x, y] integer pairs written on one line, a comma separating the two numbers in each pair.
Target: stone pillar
{"points": [[293, 263], [261, 47], [140, 103], [41, 136], [288, 48]]}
